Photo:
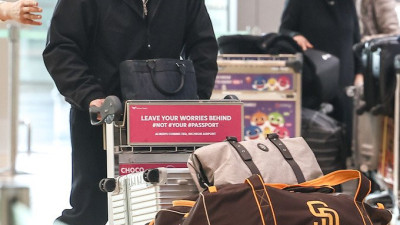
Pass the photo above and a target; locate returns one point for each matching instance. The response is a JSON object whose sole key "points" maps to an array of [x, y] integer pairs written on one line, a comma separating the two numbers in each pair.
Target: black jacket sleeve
{"points": [[290, 18], [201, 47], [65, 55]]}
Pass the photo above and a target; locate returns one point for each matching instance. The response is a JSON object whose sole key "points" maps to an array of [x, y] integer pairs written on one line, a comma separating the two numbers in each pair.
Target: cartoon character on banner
{"points": [[277, 122], [283, 132], [272, 84], [276, 119], [258, 123], [262, 124], [260, 120], [259, 84], [283, 83], [253, 133]]}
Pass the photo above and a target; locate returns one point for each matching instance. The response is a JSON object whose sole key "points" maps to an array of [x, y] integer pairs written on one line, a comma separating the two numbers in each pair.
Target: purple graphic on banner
{"points": [[254, 82], [264, 117]]}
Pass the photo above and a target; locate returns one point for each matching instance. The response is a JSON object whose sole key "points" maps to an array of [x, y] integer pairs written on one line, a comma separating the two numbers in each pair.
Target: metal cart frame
{"points": [[396, 146], [117, 142]]}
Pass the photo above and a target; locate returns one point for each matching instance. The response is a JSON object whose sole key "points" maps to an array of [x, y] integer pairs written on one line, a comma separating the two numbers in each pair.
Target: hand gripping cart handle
{"points": [[110, 111]]}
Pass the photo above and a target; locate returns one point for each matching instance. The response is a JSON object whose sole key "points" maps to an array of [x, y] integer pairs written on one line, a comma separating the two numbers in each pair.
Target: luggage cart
{"points": [[270, 88], [381, 63], [396, 146], [387, 175], [367, 134], [157, 134], [137, 197]]}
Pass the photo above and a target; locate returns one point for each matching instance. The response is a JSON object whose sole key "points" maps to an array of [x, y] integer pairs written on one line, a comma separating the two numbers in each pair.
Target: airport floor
{"points": [[46, 171], [47, 175]]}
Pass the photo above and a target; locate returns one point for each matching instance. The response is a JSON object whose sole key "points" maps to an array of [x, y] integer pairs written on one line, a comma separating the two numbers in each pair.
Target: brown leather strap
{"points": [[244, 154], [274, 138]]}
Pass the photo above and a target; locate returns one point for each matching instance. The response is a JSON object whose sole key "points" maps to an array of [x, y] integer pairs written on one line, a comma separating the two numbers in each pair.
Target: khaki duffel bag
{"points": [[289, 161]]}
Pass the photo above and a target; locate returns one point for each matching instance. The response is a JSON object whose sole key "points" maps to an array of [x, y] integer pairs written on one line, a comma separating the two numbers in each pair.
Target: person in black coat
{"points": [[87, 40], [330, 26]]}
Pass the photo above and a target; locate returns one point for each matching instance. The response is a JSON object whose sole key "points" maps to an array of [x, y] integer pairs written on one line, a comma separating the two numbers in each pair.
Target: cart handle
{"points": [[110, 110]]}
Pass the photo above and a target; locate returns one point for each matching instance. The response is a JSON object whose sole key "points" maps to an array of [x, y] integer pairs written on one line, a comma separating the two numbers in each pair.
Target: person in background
{"points": [[22, 11], [87, 40], [377, 18], [330, 26]]}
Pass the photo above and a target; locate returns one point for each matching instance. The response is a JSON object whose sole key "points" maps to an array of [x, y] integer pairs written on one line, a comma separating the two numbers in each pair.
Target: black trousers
{"points": [[89, 166], [343, 112]]}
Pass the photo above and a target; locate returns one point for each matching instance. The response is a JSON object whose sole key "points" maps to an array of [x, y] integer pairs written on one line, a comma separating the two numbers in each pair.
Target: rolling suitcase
{"points": [[367, 135], [377, 57], [137, 197]]}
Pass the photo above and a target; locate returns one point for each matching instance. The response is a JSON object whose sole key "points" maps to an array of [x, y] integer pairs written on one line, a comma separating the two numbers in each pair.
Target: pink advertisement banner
{"points": [[184, 124]]}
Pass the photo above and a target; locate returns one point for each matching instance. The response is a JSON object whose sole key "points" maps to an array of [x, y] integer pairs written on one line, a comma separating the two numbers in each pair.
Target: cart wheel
{"points": [[107, 184], [151, 175]]}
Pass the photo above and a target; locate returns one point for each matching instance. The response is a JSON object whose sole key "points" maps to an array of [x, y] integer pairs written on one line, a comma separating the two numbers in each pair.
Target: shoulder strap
{"points": [[274, 138], [244, 154]]}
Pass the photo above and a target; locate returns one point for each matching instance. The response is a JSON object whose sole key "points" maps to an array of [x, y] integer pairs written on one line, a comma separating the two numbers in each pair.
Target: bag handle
{"points": [[336, 178], [244, 154], [151, 64], [274, 138]]}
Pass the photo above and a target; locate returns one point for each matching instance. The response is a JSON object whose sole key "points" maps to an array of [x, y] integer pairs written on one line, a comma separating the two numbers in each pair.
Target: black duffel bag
{"points": [[326, 138]]}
